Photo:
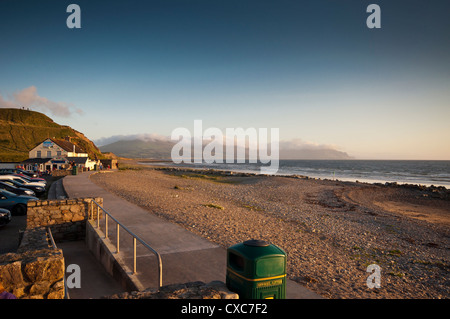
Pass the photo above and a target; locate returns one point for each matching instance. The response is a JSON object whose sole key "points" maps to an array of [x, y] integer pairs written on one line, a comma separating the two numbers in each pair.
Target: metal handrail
{"points": [[52, 240], [135, 238]]}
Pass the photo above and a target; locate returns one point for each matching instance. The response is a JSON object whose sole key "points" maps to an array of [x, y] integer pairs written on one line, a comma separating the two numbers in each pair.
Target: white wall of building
{"points": [[49, 149]]}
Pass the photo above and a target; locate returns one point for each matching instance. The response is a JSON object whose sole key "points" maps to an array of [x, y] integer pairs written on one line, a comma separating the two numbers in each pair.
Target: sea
{"points": [[418, 172]]}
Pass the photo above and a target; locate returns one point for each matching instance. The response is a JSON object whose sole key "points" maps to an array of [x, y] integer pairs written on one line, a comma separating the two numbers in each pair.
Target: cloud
{"points": [[299, 144], [299, 149], [7, 104], [28, 98]]}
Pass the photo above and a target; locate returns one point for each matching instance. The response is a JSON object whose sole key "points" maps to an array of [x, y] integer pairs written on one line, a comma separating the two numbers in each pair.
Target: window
{"points": [[49, 153], [38, 154], [58, 153]]}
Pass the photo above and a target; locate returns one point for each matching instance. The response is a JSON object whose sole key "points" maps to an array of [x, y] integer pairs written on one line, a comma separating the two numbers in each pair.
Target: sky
{"points": [[313, 69]]}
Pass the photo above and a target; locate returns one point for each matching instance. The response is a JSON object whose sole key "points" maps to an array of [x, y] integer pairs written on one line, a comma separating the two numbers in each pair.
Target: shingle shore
{"points": [[330, 230]]}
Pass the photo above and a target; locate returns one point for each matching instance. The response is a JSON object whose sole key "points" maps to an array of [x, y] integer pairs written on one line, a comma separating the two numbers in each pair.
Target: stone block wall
{"points": [[61, 172], [36, 270], [65, 217], [190, 290]]}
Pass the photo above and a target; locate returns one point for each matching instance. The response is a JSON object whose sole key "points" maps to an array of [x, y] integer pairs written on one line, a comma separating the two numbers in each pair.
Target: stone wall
{"points": [[65, 217], [190, 290], [61, 172], [36, 270]]}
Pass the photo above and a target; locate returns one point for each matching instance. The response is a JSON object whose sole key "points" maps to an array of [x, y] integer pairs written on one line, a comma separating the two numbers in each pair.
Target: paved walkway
{"points": [[185, 256], [95, 281]]}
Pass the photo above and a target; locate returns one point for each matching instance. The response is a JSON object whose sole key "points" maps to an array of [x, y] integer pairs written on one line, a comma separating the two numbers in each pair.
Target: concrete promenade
{"points": [[185, 256]]}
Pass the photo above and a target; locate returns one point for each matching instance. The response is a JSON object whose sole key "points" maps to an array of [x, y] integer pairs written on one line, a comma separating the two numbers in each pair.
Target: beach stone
{"points": [[353, 224]]}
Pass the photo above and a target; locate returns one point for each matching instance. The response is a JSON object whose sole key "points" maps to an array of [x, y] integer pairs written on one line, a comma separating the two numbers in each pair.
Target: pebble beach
{"points": [[330, 230]]}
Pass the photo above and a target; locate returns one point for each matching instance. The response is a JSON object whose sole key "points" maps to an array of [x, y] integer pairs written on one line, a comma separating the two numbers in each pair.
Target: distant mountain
{"points": [[161, 149], [313, 154], [21, 130], [156, 149]]}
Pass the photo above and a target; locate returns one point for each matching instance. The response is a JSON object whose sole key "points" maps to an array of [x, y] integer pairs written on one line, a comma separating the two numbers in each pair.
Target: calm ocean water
{"points": [[435, 173]]}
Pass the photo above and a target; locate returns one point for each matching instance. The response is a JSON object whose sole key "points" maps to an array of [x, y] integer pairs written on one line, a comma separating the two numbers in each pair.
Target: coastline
{"points": [[331, 230], [170, 165]]}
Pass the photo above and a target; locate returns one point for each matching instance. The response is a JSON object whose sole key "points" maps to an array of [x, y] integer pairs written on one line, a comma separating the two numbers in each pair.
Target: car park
{"points": [[27, 178], [20, 180], [31, 179], [5, 216], [17, 204], [28, 173], [9, 186], [18, 171], [38, 190]]}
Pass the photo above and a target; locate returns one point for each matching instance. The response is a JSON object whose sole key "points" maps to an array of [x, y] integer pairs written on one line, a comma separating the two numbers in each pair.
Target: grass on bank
{"points": [[130, 167], [213, 206], [206, 177], [252, 207]]}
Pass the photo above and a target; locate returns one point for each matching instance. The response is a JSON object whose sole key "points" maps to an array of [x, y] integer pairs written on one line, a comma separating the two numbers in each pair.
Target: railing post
{"points": [[117, 239], [98, 216], [160, 270], [106, 225], [134, 255]]}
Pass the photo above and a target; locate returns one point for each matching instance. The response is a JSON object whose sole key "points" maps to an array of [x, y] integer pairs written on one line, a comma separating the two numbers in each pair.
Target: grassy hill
{"points": [[22, 130]]}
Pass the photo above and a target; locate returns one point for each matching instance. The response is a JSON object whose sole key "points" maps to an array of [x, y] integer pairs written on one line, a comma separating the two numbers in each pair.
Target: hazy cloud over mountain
{"points": [[299, 144], [292, 149], [142, 137]]}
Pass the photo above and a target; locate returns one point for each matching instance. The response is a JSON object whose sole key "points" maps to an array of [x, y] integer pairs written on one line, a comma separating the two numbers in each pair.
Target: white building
{"points": [[53, 154], [51, 148]]}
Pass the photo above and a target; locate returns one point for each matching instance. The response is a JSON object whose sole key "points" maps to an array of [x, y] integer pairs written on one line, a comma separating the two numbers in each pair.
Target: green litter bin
{"points": [[256, 269], [75, 170]]}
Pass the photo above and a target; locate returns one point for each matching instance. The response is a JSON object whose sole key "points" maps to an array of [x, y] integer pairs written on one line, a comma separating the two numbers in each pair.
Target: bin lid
{"points": [[254, 249], [256, 243]]}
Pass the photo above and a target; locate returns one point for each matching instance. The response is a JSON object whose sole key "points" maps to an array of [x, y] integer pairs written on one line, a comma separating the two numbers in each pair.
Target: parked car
{"points": [[17, 204], [9, 186], [20, 180], [18, 171], [29, 173], [30, 179], [38, 190], [26, 177], [5, 216]]}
